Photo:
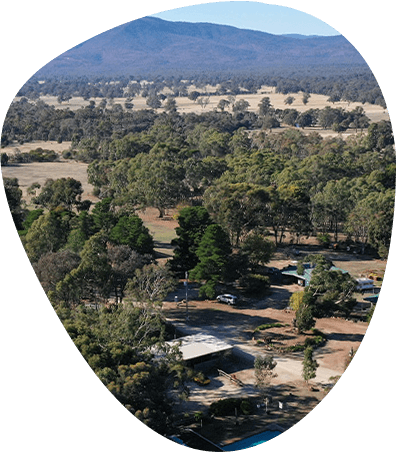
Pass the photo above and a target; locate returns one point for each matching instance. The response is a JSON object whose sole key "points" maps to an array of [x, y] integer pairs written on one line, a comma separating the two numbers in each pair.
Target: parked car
{"points": [[227, 298]]}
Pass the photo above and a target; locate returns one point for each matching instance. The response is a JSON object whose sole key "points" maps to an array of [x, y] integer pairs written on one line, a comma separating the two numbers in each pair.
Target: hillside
{"points": [[151, 45]]}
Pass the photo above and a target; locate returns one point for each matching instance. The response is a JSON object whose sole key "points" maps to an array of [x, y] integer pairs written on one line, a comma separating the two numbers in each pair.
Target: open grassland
{"points": [[29, 173], [184, 105]]}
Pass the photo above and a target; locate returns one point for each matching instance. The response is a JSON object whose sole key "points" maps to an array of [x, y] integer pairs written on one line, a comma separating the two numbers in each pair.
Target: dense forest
{"points": [[288, 183]]}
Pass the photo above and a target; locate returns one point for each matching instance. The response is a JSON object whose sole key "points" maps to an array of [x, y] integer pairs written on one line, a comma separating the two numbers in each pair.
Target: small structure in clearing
{"points": [[201, 348]]}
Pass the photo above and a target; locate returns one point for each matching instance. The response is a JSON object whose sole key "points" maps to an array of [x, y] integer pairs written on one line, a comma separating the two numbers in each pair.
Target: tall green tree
{"points": [[81, 228], [237, 207], [381, 227], [257, 249], [14, 198], [305, 314], [193, 222], [124, 262], [91, 280], [132, 232], [309, 365], [331, 205], [64, 192], [331, 291], [265, 106], [213, 252], [379, 135], [47, 234], [103, 215], [157, 179]]}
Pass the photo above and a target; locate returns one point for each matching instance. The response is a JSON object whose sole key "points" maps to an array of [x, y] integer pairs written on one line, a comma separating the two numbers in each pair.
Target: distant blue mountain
{"points": [[151, 45], [298, 36]]}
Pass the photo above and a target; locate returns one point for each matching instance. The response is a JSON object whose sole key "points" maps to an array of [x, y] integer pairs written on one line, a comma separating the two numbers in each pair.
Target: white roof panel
{"points": [[200, 344]]}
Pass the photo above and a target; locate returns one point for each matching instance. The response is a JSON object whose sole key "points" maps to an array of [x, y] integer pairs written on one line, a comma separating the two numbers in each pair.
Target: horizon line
{"points": [[153, 16]]}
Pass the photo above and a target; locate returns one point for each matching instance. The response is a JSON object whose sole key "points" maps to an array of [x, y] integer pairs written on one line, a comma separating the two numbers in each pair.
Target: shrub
{"points": [[201, 379], [255, 284], [296, 300], [246, 406], [226, 407], [43, 155], [323, 239], [267, 326]]}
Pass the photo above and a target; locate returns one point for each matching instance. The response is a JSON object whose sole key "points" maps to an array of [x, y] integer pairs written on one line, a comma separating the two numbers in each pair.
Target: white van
{"points": [[365, 284]]}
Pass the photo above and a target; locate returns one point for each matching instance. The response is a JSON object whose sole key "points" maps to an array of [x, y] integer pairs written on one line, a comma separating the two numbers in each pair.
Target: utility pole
{"points": [[186, 283]]}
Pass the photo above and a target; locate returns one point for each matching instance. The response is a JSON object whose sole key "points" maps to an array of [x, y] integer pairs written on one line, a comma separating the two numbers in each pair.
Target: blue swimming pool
{"points": [[253, 440]]}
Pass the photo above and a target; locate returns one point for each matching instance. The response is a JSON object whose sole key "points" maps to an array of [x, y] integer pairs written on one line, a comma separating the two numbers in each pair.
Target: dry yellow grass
{"points": [[374, 112], [28, 173], [50, 145], [39, 172]]}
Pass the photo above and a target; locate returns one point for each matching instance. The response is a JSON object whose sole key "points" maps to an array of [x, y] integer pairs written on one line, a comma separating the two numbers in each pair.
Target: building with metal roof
{"points": [[200, 348], [304, 279]]}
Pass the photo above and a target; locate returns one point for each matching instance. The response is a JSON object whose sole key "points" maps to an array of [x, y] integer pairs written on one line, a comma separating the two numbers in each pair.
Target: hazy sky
{"points": [[251, 15]]}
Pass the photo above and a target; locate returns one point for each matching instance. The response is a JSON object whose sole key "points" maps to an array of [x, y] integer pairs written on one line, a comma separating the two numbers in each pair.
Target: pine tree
{"points": [[193, 222], [213, 252]]}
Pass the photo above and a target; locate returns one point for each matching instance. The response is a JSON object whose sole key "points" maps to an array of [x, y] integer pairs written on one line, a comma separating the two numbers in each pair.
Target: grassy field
{"points": [[184, 105], [28, 173], [39, 172], [162, 230]]}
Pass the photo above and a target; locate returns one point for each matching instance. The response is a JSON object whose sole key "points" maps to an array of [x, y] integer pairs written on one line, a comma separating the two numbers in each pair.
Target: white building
{"points": [[201, 349]]}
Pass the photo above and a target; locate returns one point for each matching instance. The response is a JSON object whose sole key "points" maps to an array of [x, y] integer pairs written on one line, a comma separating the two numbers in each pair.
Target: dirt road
{"points": [[236, 326]]}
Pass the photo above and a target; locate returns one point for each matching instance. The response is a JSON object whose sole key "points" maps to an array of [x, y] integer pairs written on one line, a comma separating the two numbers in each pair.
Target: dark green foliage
{"points": [[254, 284], [14, 198], [29, 217], [193, 222], [309, 365], [103, 215], [81, 228], [131, 231], [212, 252], [42, 155], [4, 159], [64, 192], [227, 407], [304, 315], [111, 342], [330, 292], [48, 233]]}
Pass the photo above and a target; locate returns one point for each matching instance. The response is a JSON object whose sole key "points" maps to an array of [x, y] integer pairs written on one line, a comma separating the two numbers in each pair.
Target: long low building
{"points": [[201, 348], [292, 275]]}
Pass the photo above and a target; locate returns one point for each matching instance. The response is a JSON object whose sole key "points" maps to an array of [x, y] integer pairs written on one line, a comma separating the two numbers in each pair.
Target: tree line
{"points": [[93, 128], [287, 182], [352, 84], [279, 183]]}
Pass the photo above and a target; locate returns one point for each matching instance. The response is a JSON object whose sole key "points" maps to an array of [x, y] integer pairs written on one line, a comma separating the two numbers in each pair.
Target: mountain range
{"points": [[154, 46]]}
